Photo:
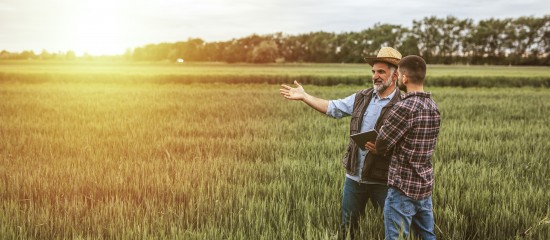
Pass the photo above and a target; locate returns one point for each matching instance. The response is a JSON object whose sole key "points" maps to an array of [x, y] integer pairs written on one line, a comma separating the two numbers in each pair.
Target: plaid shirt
{"points": [[409, 134]]}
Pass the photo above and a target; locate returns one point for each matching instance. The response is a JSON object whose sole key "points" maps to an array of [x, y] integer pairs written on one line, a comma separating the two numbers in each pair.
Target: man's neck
{"points": [[386, 93], [415, 88]]}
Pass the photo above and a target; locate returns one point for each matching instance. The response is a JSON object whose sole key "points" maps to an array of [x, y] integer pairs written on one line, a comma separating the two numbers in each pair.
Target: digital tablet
{"points": [[362, 138]]}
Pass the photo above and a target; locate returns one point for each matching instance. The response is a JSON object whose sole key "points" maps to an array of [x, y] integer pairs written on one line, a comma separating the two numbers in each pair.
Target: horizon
{"points": [[109, 28]]}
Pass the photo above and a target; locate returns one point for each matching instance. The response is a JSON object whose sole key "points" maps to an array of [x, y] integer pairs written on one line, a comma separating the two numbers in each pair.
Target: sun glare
{"points": [[99, 28]]}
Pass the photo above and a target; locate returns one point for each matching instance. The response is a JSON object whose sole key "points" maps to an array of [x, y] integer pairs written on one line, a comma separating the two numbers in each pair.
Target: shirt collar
{"points": [[418, 94], [387, 97]]}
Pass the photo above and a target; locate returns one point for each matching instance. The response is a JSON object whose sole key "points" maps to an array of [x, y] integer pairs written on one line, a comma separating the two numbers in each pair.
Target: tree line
{"points": [[449, 40]]}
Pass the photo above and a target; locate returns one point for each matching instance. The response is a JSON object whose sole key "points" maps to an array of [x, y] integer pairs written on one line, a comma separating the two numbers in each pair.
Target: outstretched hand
{"points": [[297, 93]]}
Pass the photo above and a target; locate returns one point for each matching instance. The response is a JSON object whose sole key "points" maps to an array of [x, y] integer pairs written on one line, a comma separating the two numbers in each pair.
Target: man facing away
{"points": [[366, 173], [409, 135]]}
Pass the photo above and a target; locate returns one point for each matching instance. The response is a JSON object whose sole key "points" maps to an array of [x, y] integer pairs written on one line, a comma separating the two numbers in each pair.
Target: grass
{"points": [[293, 69], [128, 160], [318, 74]]}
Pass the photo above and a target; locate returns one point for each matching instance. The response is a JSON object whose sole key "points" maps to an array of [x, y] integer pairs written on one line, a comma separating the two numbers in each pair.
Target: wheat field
{"points": [[130, 160]]}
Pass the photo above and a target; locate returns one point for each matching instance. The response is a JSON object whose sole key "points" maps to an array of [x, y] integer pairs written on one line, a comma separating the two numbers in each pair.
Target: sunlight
{"points": [[99, 28]]}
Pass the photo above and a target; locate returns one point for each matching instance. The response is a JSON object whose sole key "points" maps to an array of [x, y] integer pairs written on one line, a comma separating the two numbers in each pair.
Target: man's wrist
{"points": [[307, 98]]}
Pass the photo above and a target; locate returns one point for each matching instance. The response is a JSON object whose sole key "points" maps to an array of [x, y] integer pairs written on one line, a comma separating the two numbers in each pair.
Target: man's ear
{"points": [[395, 75]]}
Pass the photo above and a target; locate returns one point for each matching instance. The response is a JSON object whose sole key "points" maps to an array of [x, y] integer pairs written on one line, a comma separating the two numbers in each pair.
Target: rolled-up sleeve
{"points": [[341, 107]]}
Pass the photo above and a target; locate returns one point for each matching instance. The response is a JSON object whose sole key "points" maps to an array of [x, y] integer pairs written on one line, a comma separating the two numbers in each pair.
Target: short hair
{"points": [[392, 67], [414, 67], [393, 70]]}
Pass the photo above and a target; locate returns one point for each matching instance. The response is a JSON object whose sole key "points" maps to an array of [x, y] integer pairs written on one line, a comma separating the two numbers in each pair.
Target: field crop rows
{"points": [[236, 161], [317, 74]]}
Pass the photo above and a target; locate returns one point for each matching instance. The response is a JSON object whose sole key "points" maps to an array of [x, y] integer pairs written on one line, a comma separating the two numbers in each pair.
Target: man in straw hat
{"points": [[409, 134], [366, 173]]}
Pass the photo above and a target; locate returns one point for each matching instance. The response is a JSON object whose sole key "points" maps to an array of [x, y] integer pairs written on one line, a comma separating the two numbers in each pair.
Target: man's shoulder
{"points": [[362, 94], [405, 102], [415, 103], [366, 92]]}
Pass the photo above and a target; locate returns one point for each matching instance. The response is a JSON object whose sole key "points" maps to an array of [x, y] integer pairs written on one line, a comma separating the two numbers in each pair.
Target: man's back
{"points": [[412, 132]]}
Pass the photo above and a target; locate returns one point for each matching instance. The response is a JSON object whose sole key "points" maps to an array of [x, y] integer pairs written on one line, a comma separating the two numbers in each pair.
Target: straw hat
{"points": [[387, 55]]}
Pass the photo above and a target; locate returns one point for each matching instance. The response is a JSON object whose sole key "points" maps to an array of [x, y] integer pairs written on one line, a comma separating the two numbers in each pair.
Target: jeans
{"points": [[400, 211], [354, 200]]}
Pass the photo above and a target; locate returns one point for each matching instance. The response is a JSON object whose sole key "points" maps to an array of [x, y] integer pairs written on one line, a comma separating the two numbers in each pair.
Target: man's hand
{"points": [[371, 147], [298, 93], [291, 93]]}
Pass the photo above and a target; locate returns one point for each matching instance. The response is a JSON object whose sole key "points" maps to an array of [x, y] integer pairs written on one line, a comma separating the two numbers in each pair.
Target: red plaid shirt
{"points": [[409, 134]]}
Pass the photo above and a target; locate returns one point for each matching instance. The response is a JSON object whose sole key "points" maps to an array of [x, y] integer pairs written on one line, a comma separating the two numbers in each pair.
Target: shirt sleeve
{"points": [[393, 129], [341, 107]]}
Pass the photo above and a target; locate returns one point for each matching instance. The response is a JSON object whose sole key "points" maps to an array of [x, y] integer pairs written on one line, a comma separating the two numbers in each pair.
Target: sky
{"points": [[109, 27]]}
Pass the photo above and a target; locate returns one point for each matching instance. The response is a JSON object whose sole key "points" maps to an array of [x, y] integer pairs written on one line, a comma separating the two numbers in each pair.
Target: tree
{"points": [[319, 47], [45, 55], [349, 48], [453, 34], [488, 41], [70, 55], [266, 52], [26, 55], [409, 45], [5, 55], [525, 38]]}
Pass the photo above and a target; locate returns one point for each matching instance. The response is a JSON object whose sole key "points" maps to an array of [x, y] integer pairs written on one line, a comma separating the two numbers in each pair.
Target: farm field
{"points": [[143, 159], [317, 74], [291, 69]]}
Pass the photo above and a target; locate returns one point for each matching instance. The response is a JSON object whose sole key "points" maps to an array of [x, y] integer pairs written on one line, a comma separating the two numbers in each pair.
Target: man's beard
{"points": [[400, 84], [383, 87]]}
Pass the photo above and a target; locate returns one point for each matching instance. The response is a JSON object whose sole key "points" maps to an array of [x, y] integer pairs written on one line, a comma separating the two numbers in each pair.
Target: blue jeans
{"points": [[354, 200], [400, 211]]}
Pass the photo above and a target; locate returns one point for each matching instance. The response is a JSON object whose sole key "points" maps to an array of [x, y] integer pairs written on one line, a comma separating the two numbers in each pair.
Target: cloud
{"points": [[36, 24]]}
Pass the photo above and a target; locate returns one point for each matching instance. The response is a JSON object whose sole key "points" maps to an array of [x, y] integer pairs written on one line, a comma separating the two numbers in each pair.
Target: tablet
{"points": [[362, 138]]}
